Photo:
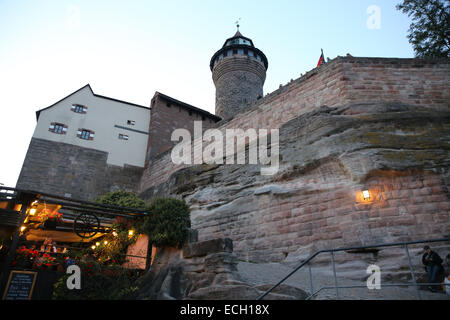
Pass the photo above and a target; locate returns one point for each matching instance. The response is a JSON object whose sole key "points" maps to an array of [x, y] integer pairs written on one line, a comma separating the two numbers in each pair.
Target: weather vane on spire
{"points": [[237, 23]]}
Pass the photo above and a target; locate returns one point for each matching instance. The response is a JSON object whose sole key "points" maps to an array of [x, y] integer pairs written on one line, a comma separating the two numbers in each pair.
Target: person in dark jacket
{"points": [[433, 265]]}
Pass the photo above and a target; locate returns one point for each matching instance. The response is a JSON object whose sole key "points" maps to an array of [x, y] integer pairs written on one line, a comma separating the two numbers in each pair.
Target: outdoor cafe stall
{"points": [[40, 234]]}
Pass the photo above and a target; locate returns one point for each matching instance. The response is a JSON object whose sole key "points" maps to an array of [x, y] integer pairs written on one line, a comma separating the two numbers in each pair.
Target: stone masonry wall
{"points": [[341, 81], [411, 81], [239, 83], [166, 116], [61, 169]]}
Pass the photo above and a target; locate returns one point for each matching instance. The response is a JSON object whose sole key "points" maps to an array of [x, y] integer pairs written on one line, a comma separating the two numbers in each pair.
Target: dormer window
{"points": [[85, 134], [58, 128], [78, 108], [131, 122]]}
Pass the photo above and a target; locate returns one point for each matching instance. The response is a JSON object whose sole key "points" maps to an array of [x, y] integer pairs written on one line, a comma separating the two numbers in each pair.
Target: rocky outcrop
{"points": [[400, 153], [206, 271]]}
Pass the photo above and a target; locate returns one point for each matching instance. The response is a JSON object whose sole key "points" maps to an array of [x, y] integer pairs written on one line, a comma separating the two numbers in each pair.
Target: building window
{"points": [[131, 122], [78, 108], [123, 136], [85, 134], [58, 128]]}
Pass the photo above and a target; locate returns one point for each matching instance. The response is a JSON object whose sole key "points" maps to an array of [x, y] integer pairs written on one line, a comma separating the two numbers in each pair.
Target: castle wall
{"points": [[166, 116], [313, 91], [68, 170], [342, 81], [412, 81], [387, 133], [398, 152]]}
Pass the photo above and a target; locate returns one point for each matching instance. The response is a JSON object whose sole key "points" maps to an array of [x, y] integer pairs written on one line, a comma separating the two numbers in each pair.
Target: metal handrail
{"points": [[393, 244], [384, 285]]}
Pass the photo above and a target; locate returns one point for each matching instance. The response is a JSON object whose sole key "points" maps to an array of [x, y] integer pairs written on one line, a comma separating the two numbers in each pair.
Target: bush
{"points": [[122, 199], [98, 283], [168, 222], [118, 243]]}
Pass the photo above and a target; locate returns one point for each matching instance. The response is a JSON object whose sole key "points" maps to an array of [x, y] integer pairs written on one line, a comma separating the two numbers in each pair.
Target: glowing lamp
{"points": [[130, 233], [32, 211], [93, 247], [106, 242], [366, 194], [97, 244], [22, 228]]}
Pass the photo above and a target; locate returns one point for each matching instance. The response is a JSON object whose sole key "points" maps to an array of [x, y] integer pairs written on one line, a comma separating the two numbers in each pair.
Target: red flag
{"points": [[321, 59]]}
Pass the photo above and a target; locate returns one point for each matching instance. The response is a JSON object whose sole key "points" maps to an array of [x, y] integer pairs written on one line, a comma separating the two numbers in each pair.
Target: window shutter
{"points": [[52, 127], [91, 135], [79, 132]]}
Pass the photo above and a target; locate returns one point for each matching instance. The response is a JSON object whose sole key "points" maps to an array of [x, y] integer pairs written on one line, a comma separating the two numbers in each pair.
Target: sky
{"points": [[129, 49]]}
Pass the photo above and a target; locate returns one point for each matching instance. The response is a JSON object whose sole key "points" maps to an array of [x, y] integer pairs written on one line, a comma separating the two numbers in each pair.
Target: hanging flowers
{"points": [[46, 261], [47, 214]]}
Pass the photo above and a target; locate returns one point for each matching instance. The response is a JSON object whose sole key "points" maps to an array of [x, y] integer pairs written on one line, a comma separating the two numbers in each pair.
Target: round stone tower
{"points": [[239, 72]]}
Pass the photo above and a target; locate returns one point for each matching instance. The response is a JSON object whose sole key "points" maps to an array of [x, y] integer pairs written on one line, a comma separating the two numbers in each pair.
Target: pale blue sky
{"points": [[130, 49]]}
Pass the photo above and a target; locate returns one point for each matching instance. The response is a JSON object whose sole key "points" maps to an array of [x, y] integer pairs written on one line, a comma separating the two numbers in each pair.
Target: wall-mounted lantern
{"points": [[366, 194]]}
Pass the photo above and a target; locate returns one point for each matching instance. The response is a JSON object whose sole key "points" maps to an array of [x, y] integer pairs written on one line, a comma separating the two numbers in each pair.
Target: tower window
{"points": [[58, 128], [123, 136], [78, 108], [85, 134], [250, 53], [234, 51]]}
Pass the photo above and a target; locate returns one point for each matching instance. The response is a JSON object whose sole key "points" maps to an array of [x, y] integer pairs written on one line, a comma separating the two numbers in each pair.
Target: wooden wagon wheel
{"points": [[86, 225]]}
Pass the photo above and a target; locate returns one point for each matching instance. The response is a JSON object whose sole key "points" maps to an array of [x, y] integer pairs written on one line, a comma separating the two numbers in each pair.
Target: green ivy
{"points": [[122, 199]]}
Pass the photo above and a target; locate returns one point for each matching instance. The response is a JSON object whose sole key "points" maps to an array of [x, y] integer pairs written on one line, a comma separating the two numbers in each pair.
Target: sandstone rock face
{"points": [[204, 270], [400, 153]]}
